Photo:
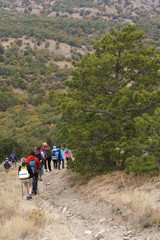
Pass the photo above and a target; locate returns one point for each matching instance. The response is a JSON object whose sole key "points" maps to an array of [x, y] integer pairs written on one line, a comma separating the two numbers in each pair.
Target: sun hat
{"points": [[23, 160]]}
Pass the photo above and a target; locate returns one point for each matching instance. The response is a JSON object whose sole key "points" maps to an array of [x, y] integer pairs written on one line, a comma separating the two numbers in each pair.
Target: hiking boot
{"points": [[28, 198]]}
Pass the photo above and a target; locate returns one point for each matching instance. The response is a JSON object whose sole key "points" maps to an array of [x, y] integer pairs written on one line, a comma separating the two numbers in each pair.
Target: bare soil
{"points": [[87, 211]]}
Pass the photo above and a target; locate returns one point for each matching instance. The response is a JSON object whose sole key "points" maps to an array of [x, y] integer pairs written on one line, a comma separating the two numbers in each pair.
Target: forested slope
{"points": [[100, 113]]}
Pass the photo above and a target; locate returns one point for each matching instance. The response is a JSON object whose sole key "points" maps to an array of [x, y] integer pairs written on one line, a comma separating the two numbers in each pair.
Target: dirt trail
{"points": [[83, 216], [69, 207]]}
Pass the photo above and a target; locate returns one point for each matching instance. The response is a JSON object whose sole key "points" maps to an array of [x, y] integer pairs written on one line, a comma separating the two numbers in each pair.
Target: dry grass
{"points": [[30, 220], [135, 196], [19, 218]]}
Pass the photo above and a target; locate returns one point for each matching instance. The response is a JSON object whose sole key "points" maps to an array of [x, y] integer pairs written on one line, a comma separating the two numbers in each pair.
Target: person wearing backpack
{"points": [[25, 174], [47, 156], [67, 154], [35, 166], [13, 158], [54, 158], [60, 157], [37, 153], [7, 165]]}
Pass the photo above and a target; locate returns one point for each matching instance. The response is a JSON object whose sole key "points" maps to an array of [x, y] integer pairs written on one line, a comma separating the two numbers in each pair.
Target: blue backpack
{"points": [[33, 165]]}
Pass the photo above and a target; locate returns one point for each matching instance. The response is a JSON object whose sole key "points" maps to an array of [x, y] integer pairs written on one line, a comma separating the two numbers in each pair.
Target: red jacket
{"points": [[32, 158]]}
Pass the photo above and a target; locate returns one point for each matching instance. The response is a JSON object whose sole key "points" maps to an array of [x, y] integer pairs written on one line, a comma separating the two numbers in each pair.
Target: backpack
{"points": [[24, 174], [59, 154], [54, 155], [36, 151], [67, 154], [6, 165], [47, 153], [33, 165], [13, 157]]}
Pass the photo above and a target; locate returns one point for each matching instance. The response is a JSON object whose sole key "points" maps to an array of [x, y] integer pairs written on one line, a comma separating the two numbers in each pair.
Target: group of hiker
{"points": [[10, 162], [32, 168]]}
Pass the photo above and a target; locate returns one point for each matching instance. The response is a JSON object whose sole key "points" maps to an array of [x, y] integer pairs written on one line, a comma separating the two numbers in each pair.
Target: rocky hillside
{"points": [[114, 13], [76, 8]]}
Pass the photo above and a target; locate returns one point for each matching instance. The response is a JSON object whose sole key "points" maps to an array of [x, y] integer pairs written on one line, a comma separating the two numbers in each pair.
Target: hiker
{"points": [[47, 156], [13, 158], [35, 166], [7, 165], [26, 176], [37, 153], [54, 158], [67, 154], [60, 157]]}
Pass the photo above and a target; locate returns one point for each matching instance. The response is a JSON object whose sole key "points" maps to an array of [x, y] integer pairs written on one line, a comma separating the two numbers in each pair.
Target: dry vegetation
{"points": [[16, 214], [30, 220], [135, 197]]}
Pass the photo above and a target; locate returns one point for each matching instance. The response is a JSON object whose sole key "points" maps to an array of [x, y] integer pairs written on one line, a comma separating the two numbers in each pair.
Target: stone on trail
{"points": [[87, 232], [64, 210], [99, 234], [102, 220]]}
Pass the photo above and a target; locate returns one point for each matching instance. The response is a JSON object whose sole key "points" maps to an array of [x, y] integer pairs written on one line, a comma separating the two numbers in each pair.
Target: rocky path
{"points": [[81, 216]]}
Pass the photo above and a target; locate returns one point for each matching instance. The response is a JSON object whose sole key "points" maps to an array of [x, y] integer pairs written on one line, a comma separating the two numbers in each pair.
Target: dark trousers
{"points": [[14, 163], [59, 163], [49, 164], [35, 183], [55, 164]]}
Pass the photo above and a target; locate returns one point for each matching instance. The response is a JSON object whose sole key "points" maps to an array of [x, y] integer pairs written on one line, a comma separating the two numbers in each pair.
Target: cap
{"points": [[23, 160]]}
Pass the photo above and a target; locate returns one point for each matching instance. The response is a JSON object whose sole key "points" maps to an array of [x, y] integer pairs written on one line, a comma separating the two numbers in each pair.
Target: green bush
{"points": [[142, 165]]}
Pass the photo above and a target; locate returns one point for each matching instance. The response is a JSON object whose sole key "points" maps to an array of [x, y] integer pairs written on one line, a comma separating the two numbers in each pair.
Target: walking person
{"points": [[47, 156], [26, 176], [35, 166], [7, 165], [60, 157], [13, 158], [37, 153], [54, 158], [67, 154]]}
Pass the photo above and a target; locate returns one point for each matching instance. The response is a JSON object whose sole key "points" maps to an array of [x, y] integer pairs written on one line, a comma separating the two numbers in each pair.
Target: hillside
{"points": [[77, 9], [39, 55], [114, 206]]}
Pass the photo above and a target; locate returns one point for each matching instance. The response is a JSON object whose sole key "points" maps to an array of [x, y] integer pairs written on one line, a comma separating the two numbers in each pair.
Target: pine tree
{"points": [[110, 90]]}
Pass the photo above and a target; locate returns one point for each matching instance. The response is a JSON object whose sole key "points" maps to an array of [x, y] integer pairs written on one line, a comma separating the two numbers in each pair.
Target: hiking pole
{"points": [[22, 188]]}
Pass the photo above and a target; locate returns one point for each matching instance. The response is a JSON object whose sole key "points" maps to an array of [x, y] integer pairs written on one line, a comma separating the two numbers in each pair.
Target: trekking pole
{"points": [[22, 188]]}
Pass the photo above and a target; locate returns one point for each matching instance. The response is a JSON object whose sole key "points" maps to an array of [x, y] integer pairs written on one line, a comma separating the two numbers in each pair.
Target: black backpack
{"points": [[7, 165], [59, 154], [47, 153], [54, 155]]}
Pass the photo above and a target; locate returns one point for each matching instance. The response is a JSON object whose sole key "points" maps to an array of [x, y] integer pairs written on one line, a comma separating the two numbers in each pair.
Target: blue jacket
{"points": [[61, 154], [13, 157]]}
